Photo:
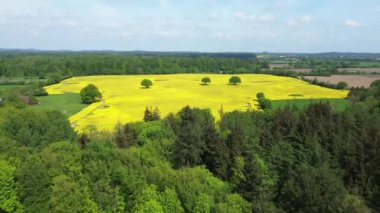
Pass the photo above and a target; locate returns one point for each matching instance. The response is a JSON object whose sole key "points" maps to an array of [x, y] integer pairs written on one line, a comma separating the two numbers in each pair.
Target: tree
{"points": [[33, 183], [189, 145], [206, 81], [69, 196], [148, 201], [54, 78], [90, 94], [342, 85], [260, 95], [8, 197], [146, 83], [264, 103], [170, 202], [203, 203], [151, 115], [234, 80]]}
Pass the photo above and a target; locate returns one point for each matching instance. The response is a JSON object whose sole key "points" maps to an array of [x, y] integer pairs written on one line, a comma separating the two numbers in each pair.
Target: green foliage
{"points": [[151, 114], [260, 95], [67, 196], [58, 65], [170, 202], [90, 94], [148, 201], [264, 103], [146, 83], [342, 85], [34, 185], [30, 128], [54, 78], [234, 80], [8, 197], [203, 203], [234, 203], [206, 81]]}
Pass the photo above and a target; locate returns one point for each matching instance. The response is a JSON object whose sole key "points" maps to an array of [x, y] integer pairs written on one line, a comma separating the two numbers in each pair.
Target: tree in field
{"points": [[342, 85], [206, 81], [260, 95], [90, 94], [264, 103], [234, 80], [146, 83]]}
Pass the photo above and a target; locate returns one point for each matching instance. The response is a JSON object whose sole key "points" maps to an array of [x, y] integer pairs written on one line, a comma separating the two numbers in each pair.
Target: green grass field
{"points": [[336, 104], [9, 87], [68, 103]]}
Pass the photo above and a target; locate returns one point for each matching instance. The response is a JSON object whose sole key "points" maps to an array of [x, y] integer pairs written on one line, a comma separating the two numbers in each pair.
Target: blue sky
{"points": [[192, 25]]}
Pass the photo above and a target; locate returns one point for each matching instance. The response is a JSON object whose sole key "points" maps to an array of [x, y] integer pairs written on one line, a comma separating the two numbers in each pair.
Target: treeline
{"points": [[315, 81], [66, 64]]}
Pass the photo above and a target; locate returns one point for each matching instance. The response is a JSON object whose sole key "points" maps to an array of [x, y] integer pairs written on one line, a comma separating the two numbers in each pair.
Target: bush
{"points": [[260, 95], [264, 103], [235, 80], [146, 83], [342, 85], [90, 94], [206, 80]]}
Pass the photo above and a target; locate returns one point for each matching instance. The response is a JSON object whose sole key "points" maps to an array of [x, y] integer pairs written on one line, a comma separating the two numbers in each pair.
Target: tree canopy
{"points": [[206, 80], [234, 80], [90, 94], [146, 83]]}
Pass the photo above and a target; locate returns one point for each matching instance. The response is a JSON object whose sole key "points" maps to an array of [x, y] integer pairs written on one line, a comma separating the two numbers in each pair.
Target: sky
{"points": [[192, 25]]}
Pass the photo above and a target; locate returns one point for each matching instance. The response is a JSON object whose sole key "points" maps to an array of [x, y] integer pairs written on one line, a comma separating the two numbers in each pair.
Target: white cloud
{"points": [[126, 35], [352, 23], [304, 20], [214, 16], [254, 19], [164, 33], [164, 3], [69, 23], [222, 36]]}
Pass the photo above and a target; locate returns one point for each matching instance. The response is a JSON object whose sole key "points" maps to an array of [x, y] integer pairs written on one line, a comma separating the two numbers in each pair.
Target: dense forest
{"points": [[312, 159], [93, 63]]}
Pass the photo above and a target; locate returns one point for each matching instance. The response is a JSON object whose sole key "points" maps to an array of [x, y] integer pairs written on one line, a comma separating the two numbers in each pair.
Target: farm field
{"points": [[352, 80], [124, 100]]}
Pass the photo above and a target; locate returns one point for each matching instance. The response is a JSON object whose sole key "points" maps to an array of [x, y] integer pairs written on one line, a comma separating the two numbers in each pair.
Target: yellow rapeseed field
{"points": [[124, 100]]}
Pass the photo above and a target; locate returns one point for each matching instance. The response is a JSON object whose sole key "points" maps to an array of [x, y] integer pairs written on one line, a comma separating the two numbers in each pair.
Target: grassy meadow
{"points": [[69, 104], [124, 100]]}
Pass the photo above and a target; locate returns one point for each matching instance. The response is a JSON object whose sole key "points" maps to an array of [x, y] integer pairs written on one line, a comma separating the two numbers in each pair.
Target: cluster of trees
{"points": [[263, 103], [340, 85], [22, 96], [286, 160], [60, 65]]}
